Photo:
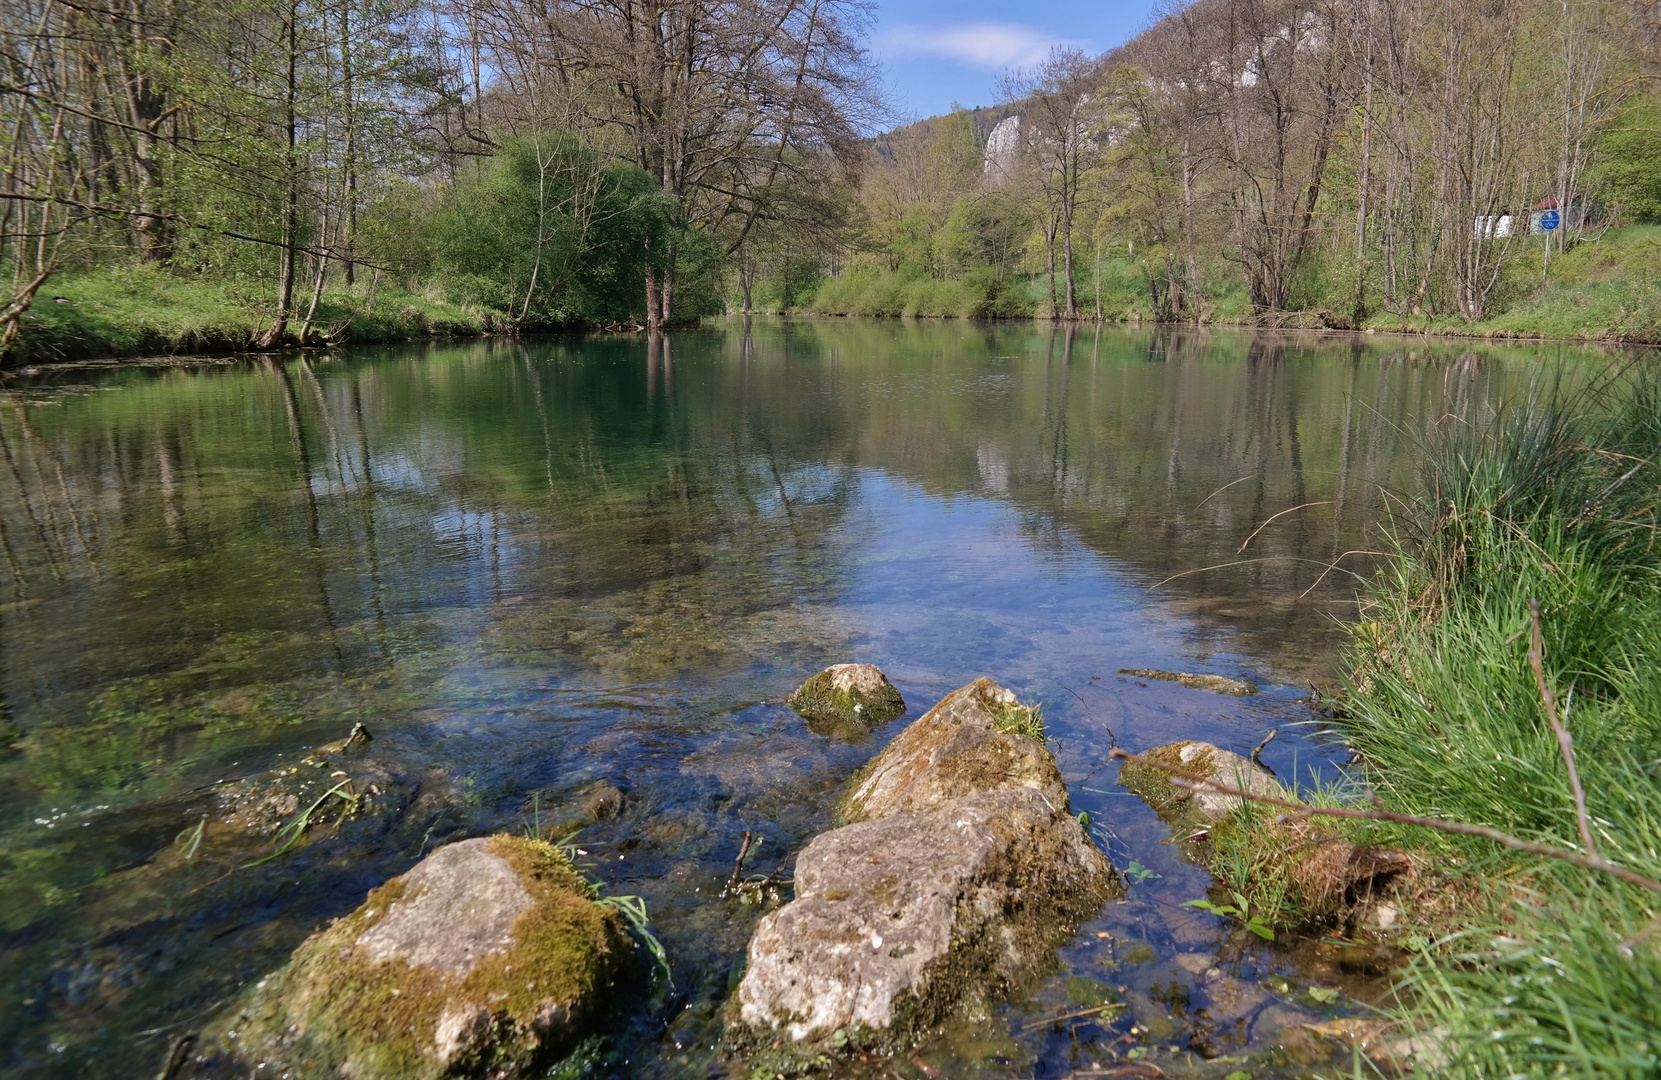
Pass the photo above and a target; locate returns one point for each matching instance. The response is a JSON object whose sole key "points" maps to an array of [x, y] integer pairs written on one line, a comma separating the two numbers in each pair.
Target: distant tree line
{"points": [[556, 160], [1331, 158]]}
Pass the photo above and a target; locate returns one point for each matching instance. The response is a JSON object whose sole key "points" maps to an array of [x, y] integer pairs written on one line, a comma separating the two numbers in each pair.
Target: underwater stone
{"points": [[848, 695], [899, 920], [957, 749], [486, 958], [1217, 684]]}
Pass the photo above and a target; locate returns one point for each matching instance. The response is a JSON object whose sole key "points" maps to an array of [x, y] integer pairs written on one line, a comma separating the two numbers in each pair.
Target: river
{"points": [[533, 569]]}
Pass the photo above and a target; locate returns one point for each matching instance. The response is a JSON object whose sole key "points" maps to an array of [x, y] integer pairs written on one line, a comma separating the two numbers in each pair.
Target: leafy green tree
{"points": [[1629, 173], [550, 232]]}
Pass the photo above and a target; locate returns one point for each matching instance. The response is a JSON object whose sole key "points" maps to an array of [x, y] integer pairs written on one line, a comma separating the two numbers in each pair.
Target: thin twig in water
{"points": [[1092, 713], [738, 865], [1047, 1021], [1273, 517], [1565, 743]]}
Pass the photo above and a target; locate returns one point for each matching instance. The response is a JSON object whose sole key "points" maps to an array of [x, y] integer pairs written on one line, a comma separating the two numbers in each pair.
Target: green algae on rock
{"points": [[848, 696], [488, 957], [1217, 684]]}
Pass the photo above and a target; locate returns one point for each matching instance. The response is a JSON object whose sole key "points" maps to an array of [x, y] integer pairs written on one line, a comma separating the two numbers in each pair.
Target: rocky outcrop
{"points": [[967, 744], [960, 871], [847, 699], [486, 958], [1217, 684]]}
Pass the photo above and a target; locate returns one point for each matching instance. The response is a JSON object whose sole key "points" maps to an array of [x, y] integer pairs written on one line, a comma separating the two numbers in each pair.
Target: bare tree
{"points": [[1061, 107]]}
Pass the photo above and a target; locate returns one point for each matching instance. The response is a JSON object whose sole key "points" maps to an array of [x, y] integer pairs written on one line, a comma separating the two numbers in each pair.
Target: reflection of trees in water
{"points": [[277, 522]]}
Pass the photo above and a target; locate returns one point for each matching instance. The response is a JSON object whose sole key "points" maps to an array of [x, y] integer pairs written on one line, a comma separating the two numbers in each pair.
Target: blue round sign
{"points": [[1549, 220]]}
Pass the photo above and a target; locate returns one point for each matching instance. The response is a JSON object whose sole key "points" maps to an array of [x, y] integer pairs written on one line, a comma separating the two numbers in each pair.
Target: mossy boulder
{"points": [[847, 699], [972, 742], [1322, 876], [959, 872], [489, 957]]}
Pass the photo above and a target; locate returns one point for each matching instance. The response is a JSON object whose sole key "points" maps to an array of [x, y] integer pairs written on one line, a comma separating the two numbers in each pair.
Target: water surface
{"points": [[533, 568]]}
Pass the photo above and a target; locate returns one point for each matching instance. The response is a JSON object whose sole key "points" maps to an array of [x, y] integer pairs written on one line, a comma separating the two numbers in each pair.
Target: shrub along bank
{"points": [[1548, 969]]}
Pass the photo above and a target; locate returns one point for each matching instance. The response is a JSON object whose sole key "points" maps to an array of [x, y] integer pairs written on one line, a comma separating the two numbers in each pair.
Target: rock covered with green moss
{"points": [[1203, 760], [961, 871], [487, 958], [977, 739], [853, 697]]}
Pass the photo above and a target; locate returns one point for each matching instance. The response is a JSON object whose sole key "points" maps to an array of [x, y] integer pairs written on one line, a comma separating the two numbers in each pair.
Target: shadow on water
{"points": [[541, 570]]}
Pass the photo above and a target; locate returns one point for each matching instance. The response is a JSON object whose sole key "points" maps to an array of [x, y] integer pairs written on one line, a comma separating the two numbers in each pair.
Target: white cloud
{"points": [[990, 45]]}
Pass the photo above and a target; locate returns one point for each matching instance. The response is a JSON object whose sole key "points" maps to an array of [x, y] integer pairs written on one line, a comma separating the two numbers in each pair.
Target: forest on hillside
{"points": [[546, 163], [1320, 163]]}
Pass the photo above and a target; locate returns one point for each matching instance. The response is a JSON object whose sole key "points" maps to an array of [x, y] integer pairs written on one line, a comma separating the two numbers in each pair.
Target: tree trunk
{"points": [[291, 190]]}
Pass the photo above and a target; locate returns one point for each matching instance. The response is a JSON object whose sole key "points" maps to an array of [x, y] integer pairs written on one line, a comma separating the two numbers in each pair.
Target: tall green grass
{"points": [[1555, 499]]}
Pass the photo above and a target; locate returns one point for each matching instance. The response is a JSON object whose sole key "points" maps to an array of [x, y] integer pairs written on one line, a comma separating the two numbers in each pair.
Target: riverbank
{"points": [[1605, 289], [145, 311], [1546, 966]]}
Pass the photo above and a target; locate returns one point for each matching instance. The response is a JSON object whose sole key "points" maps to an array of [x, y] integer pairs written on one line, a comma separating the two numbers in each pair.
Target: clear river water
{"points": [[542, 570]]}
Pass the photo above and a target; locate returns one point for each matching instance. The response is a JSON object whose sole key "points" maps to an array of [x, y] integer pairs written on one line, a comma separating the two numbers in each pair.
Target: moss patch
{"points": [[834, 711]]}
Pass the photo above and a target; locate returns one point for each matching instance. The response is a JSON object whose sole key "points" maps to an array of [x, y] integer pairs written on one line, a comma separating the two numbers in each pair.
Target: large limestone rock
{"points": [[486, 958], [897, 920], [847, 699], [965, 745], [959, 873]]}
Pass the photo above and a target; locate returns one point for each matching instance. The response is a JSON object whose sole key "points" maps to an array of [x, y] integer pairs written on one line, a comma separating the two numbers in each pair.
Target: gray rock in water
{"points": [[969, 743], [847, 699], [899, 920], [961, 872], [485, 958]]}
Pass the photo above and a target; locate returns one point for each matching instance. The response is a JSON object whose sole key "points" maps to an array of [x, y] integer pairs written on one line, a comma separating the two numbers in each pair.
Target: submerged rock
{"points": [[969, 743], [1217, 684], [848, 696], [486, 958], [960, 872]]}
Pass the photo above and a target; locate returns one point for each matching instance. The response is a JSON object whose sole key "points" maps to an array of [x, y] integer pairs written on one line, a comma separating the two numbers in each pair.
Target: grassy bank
{"points": [[1607, 288], [1554, 500], [141, 310]]}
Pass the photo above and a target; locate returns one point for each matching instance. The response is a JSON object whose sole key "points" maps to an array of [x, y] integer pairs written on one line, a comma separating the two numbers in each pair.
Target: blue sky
{"points": [[935, 52]]}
